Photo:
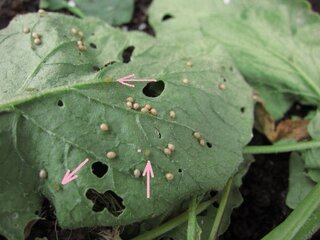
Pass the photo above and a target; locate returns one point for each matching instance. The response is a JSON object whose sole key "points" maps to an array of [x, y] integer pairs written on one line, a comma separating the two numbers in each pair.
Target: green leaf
{"points": [[299, 184], [53, 102], [274, 43], [206, 218], [302, 222], [311, 157], [113, 12]]}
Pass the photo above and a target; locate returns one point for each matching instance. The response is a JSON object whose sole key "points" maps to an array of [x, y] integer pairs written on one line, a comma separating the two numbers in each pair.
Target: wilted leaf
{"points": [[53, 102]]}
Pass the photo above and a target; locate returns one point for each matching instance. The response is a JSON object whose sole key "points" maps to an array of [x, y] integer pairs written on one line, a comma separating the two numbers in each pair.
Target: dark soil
{"points": [[264, 187]]}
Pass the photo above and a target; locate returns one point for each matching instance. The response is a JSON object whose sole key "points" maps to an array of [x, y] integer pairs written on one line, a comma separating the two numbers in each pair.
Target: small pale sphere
{"points": [[202, 142], [80, 34], [169, 176], [129, 104], [111, 155], [148, 106], [37, 41], [26, 30], [197, 135], [153, 111], [144, 110], [43, 174], [185, 81], [42, 12], [35, 35], [136, 106], [139, 150], [82, 47], [171, 147], [79, 43], [167, 151], [172, 114], [74, 31], [130, 99], [137, 173], [189, 64], [222, 86], [104, 127]]}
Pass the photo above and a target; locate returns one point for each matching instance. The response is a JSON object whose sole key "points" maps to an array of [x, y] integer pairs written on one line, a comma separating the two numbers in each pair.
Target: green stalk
{"points": [[224, 200], [281, 148], [173, 223], [193, 231], [302, 222]]}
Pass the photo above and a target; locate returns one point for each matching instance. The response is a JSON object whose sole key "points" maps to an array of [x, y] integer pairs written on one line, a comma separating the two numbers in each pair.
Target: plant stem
{"points": [[173, 223], [302, 222], [281, 148], [193, 227], [224, 200]]}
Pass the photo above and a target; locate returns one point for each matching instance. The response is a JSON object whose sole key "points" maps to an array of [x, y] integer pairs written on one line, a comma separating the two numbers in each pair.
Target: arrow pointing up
{"points": [[130, 78], [68, 177], [148, 172]]}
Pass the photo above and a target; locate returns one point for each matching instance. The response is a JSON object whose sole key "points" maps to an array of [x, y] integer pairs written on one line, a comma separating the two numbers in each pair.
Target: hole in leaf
{"points": [[158, 132], [224, 79], [213, 193], [154, 89], [204, 213], [243, 109], [127, 53], [93, 45], [109, 63], [96, 69], [99, 169], [109, 200], [180, 170], [2, 238], [209, 145], [60, 103], [216, 204], [166, 17]]}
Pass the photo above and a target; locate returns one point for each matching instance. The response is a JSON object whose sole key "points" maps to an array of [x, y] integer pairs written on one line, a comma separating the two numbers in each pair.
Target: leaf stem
{"points": [[281, 148], [193, 227], [173, 223], [224, 200], [302, 222]]}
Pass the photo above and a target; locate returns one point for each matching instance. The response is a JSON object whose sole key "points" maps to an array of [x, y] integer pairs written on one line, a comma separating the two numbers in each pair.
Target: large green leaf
{"points": [[275, 44], [113, 12], [53, 102]]}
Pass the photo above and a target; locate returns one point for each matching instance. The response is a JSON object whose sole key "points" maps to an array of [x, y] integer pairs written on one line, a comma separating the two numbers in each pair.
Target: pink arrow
{"points": [[148, 171], [130, 78], [68, 177]]}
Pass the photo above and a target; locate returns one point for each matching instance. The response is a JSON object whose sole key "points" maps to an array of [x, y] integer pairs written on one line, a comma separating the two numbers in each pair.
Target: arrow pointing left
{"points": [[70, 176]]}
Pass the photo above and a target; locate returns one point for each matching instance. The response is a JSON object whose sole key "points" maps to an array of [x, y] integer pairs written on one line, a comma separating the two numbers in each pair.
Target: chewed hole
{"points": [[166, 17], [224, 79], [95, 68], [2, 238], [243, 109], [180, 170], [209, 145], [204, 213], [93, 45], [154, 89], [60, 103], [213, 193], [127, 53], [216, 204], [157, 131], [109, 200], [99, 169], [109, 63]]}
